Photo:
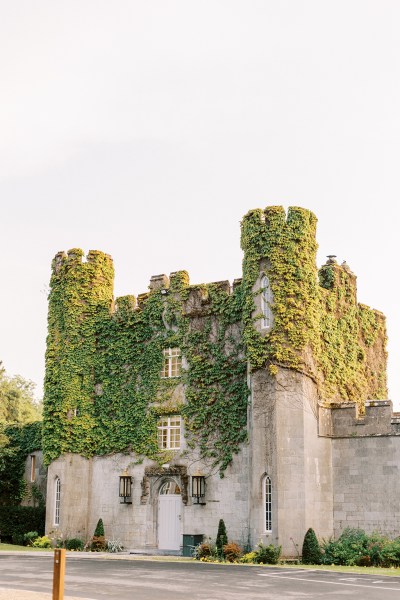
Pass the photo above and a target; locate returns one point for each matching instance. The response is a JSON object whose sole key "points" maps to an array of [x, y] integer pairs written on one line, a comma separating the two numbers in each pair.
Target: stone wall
{"points": [[90, 490], [285, 445], [366, 484]]}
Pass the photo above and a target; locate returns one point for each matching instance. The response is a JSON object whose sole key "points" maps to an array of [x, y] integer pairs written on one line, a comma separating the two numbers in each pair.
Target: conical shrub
{"points": [[311, 553], [222, 538]]}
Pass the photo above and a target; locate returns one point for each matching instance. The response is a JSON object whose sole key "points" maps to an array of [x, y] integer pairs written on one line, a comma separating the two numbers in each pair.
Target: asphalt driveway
{"points": [[126, 579]]}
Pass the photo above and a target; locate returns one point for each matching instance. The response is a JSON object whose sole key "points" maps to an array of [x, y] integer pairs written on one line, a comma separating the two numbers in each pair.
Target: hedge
{"points": [[17, 520]]}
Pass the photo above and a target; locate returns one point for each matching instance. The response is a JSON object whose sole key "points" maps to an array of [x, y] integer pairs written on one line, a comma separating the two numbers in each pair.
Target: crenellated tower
{"points": [[81, 295]]}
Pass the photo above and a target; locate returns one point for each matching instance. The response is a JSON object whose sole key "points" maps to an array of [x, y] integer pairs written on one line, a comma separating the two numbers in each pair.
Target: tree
{"points": [[311, 554], [222, 538], [17, 402]]}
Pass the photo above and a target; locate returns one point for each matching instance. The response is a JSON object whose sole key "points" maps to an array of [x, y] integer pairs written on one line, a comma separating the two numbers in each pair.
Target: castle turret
{"points": [[81, 294], [280, 252]]}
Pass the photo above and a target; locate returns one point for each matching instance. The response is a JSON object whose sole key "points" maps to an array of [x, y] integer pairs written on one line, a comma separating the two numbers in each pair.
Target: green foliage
{"points": [[17, 402], [103, 388], [15, 521], [311, 553], [320, 329], [222, 538], [249, 557], [18, 442], [355, 547], [30, 537], [42, 542], [390, 554], [267, 555], [74, 544], [99, 528]]}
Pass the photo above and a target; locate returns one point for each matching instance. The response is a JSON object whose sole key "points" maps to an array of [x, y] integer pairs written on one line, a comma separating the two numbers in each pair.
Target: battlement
{"points": [[342, 420], [76, 256], [257, 226]]}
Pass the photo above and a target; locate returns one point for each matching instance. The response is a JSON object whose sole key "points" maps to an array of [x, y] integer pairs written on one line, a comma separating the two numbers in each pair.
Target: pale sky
{"points": [[147, 129]]}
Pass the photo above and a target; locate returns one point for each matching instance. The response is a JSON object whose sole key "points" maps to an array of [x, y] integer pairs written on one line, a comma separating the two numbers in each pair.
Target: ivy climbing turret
{"points": [[81, 295]]}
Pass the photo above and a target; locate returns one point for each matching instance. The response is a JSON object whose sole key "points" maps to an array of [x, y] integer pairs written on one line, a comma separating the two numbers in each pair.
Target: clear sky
{"points": [[148, 128]]}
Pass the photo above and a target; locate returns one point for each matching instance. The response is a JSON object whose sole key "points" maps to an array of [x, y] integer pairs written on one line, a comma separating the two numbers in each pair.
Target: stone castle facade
{"points": [[263, 402]]}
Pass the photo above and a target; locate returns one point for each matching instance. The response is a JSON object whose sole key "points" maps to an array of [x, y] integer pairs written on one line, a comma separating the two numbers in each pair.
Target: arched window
{"points": [[266, 301], [170, 487], [267, 503], [57, 499]]}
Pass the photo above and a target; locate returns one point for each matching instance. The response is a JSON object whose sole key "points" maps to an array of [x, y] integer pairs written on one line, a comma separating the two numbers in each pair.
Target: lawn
{"points": [[16, 548]]}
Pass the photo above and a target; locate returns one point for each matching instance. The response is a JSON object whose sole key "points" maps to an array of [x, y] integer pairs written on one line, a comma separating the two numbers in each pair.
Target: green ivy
{"points": [[320, 329], [107, 365], [18, 442], [103, 389]]}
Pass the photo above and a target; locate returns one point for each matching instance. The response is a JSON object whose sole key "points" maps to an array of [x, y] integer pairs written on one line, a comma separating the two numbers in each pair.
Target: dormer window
{"points": [[266, 301], [172, 362]]}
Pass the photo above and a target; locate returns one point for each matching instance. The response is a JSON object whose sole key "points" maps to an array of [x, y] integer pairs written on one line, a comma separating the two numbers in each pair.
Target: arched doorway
{"points": [[169, 516]]}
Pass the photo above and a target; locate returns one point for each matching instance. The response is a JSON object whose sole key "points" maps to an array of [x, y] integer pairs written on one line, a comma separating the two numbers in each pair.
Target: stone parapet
{"points": [[345, 420]]}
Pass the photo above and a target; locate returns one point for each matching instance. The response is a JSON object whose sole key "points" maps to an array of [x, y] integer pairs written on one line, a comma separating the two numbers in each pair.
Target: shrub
{"points": [[30, 537], [249, 557], [15, 521], [267, 555], [390, 553], [74, 544], [311, 553], [205, 550], [99, 531], [232, 551], [42, 542], [98, 543], [222, 538], [114, 546], [354, 547]]}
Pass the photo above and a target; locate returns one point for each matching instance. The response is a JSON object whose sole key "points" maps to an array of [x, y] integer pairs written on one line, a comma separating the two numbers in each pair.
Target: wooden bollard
{"points": [[59, 574]]}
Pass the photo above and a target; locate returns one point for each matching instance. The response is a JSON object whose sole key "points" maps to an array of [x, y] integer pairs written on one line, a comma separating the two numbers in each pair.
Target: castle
{"points": [[263, 402]]}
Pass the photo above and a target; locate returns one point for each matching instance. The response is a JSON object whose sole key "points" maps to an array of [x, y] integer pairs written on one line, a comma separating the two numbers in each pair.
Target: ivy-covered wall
{"points": [[104, 391], [20, 441]]}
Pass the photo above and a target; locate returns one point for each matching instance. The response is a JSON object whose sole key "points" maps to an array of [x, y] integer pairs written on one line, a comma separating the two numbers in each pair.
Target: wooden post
{"points": [[59, 574]]}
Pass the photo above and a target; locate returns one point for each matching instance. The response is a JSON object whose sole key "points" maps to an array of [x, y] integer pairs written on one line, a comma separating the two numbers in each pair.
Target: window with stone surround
{"points": [[266, 301]]}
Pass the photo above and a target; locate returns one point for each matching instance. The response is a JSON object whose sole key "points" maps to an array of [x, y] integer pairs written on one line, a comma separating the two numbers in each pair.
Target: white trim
{"points": [[169, 433], [172, 363], [57, 500], [267, 503]]}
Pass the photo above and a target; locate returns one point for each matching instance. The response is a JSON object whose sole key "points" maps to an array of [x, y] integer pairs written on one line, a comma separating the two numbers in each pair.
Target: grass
{"points": [[15, 548], [392, 571], [379, 571]]}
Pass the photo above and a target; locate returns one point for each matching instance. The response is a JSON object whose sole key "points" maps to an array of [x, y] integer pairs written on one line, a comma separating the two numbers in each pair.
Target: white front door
{"points": [[169, 521]]}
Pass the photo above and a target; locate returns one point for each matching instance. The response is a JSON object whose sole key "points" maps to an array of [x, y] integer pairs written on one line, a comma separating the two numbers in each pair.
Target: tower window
{"points": [[266, 301], [57, 501], [267, 494]]}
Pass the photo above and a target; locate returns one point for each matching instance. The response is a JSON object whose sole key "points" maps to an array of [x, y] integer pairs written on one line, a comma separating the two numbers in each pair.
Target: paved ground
{"points": [[102, 578]]}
